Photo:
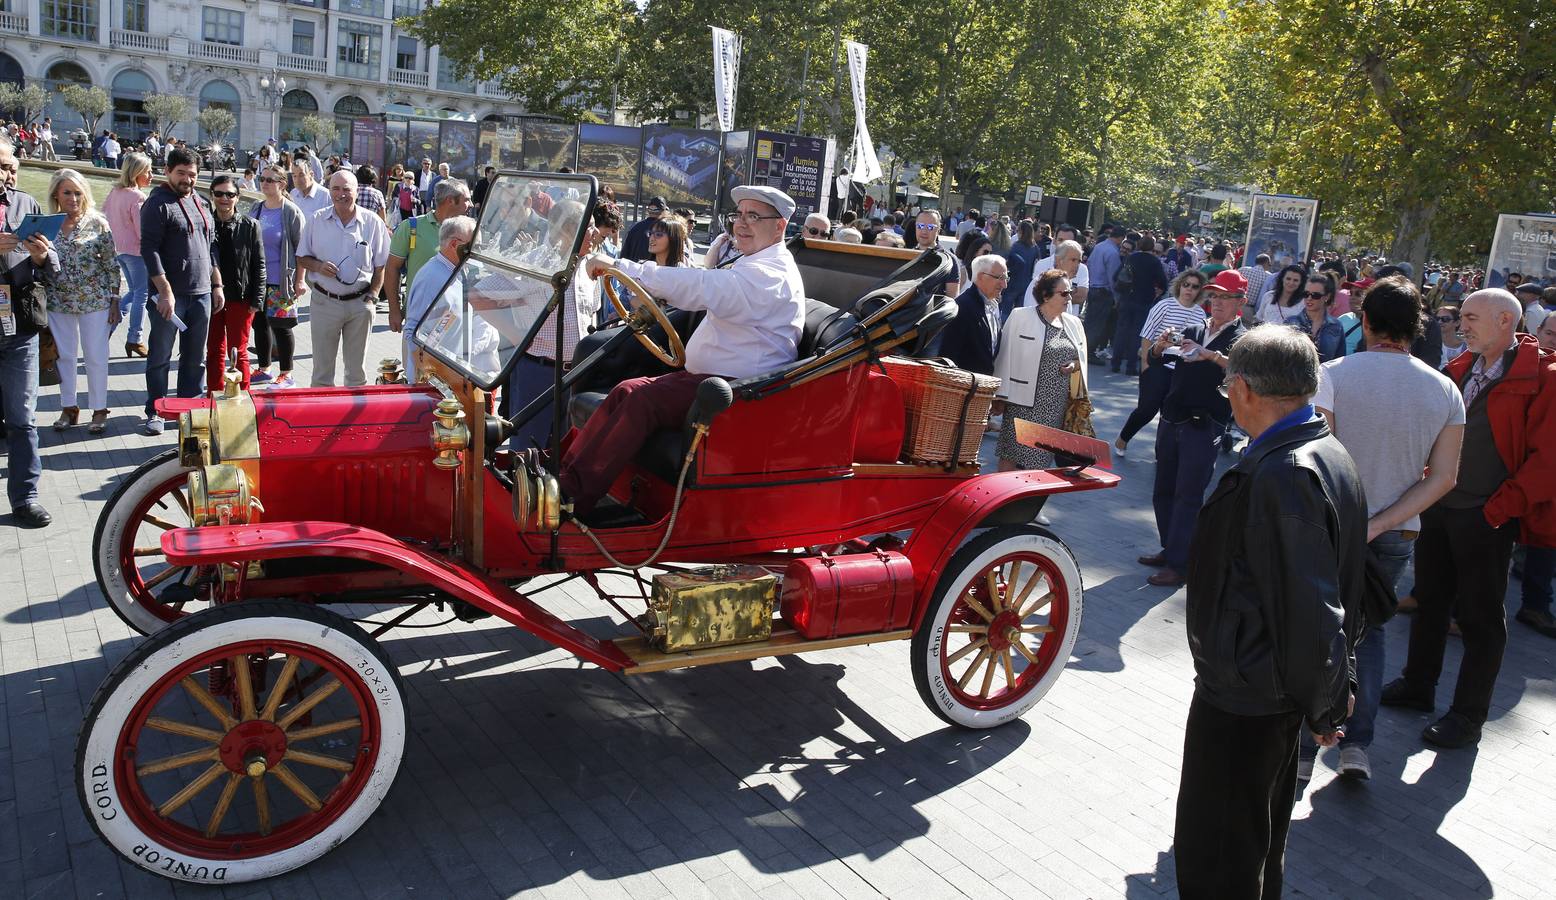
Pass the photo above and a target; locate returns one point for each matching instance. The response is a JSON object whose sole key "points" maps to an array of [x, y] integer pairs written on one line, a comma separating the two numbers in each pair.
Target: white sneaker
{"points": [[1353, 763], [1304, 769], [153, 426]]}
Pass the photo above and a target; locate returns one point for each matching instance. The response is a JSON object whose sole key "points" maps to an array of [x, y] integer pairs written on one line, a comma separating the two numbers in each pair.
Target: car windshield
{"points": [[529, 229]]}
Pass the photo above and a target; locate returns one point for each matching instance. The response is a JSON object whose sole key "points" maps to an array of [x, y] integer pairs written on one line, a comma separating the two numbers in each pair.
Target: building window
{"points": [[222, 26], [357, 54], [446, 79], [73, 19], [302, 38], [405, 53], [135, 15]]}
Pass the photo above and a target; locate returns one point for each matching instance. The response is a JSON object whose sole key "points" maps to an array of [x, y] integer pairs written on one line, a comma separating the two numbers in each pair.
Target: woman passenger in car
{"points": [[1039, 348]]}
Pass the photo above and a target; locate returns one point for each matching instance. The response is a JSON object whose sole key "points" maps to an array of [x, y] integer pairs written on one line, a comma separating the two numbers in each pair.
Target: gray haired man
{"points": [[1275, 576]]}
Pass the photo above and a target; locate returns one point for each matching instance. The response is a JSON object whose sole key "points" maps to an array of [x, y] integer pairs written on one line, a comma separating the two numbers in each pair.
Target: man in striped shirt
{"points": [[1174, 314]]}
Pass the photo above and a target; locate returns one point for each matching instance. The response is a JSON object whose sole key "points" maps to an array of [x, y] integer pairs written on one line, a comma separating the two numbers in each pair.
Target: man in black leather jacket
{"points": [[1275, 578]]}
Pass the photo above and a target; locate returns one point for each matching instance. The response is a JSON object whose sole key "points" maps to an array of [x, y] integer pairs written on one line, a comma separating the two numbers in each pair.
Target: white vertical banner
{"points": [[863, 166], [726, 75]]}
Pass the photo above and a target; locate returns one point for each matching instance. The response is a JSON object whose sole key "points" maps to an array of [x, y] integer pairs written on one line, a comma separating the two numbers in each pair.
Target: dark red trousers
{"points": [[229, 331], [635, 409]]}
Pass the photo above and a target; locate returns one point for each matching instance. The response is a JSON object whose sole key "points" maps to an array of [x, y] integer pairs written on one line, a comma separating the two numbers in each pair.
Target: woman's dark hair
{"points": [[1190, 274], [1047, 282], [367, 175], [1025, 233], [1280, 287], [1324, 279], [607, 216], [967, 248], [1335, 269], [674, 228], [1392, 308], [219, 180]]}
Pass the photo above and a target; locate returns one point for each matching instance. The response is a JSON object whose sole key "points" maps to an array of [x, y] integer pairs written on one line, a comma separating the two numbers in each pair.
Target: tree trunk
{"points": [[1413, 234]]}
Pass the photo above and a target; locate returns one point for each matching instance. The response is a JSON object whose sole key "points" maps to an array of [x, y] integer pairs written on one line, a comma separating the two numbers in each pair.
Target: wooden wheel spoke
{"points": [[1010, 672], [243, 677], [988, 676], [223, 803], [977, 663], [1038, 604], [975, 606], [159, 522], [183, 504], [992, 582], [277, 693], [318, 759], [191, 790], [308, 702], [971, 646], [1022, 648], [177, 761], [146, 551], [1037, 629], [162, 576], [313, 731], [185, 729], [968, 629], [296, 786], [1026, 590], [262, 804], [204, 698]]}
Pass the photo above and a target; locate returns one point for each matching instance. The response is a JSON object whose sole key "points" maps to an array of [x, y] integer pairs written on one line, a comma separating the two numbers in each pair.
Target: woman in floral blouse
{"points": [[83, 305]]}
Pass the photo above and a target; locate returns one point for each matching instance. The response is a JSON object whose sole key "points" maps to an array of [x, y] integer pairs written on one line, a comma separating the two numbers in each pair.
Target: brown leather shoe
{"points": [[1155, 559], [68, 416], [135, 350], [1166, 578]]}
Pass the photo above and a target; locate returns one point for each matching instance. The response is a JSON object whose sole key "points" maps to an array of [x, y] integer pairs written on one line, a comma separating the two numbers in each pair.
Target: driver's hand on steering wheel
{"points": [[595, 265]]}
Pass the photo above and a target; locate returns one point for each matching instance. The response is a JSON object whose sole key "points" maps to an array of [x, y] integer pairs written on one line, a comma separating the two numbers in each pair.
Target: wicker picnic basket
{"points": [[947, 409]]}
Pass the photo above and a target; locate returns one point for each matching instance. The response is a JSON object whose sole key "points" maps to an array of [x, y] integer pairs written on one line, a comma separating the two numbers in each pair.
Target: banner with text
{"points": [[863, 166], [726, 75], [369, 136], [795, 164], [1525, 244], [1282, 226]]}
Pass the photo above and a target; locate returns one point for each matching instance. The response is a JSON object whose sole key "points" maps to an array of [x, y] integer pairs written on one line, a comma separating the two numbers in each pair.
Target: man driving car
{"points": [[756, 310]]}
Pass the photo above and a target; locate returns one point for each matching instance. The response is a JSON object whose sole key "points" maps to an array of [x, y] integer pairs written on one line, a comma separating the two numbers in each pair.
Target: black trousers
{"points": [[1461, 569], [1154, 382], [1098, 320], [1235, 796], [1126, 337]]}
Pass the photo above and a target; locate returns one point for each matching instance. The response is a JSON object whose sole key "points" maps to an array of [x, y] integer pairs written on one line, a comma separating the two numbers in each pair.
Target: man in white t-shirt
{"points": [[1394, 435], [309, 195]]}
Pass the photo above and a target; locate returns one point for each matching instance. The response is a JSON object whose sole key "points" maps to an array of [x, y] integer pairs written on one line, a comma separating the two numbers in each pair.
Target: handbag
{"points": [[1077, 415], [48, 359]]}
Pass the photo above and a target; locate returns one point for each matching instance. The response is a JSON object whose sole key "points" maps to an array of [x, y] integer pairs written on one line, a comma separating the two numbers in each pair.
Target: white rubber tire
{"points": [[971, 560], [111, 526], [190, 637]]}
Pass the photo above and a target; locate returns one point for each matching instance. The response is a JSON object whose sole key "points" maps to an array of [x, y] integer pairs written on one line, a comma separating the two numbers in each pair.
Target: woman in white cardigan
{"points": [[1039, 348]]}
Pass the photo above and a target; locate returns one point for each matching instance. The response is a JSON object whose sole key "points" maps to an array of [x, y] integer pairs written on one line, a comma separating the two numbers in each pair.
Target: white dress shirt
{"points": [[356, 248], [756, 310], [310, 202], [1082, 279]]}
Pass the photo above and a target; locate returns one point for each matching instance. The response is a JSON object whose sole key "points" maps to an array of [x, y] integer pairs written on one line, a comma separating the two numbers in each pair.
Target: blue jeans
{"points": [[18, 399], [195, 312], [1393, 552], [1185, 460], [1539, 569], [133, 304]]}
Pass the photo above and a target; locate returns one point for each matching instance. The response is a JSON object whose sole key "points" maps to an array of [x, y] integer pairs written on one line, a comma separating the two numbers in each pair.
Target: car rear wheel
{"points": [[241, 742], [999, 628], [141, 587]]}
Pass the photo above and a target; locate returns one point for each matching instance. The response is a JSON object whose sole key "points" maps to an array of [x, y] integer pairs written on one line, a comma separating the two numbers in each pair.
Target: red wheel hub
{"points": [[254, 741], [993, 655], [1004, 630]]}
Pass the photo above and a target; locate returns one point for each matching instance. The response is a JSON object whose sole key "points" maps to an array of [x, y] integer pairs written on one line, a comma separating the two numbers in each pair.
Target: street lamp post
{"points": [[273, 87]]}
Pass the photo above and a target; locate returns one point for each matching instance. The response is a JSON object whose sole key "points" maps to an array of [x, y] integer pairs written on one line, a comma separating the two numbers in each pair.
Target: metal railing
{"points": [[137, 40], [295, 63], [223, 52]]}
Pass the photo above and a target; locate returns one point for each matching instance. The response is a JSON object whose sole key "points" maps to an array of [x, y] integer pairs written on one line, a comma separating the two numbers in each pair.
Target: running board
{"points": [[646, 659]]}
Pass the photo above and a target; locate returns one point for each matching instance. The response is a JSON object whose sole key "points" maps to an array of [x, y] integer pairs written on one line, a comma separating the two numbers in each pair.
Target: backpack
{"points": [[1124, 281]]}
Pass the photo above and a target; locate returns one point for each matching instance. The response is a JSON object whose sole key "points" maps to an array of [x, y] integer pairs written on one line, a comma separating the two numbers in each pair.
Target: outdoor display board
{"points": [[457, 144], [1525, 244], [1282, 226], [735, 169], [422, 143], [396, 143], [795, 164], [611, 153], [501, 145], [368, 135], [548, 146], [681, 165]]}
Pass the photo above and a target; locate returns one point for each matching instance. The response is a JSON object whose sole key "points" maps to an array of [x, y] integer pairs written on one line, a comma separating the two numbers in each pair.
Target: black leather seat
{"points": [[664, 450], [825, 325]]}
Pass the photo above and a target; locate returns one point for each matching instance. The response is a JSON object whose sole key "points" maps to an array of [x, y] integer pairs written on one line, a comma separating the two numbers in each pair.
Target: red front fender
{"points": [[238, 543], [980, 502]]}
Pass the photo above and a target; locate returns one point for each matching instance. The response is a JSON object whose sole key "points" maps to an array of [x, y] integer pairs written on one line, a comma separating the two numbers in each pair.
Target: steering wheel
{"points": [[675, 357]]}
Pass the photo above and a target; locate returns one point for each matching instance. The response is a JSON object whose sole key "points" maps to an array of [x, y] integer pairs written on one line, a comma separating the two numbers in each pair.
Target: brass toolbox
{"points": [[711, 607]]}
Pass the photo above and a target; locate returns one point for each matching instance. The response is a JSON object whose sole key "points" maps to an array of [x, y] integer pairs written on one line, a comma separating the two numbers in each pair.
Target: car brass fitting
{"points": [[219, 495], [449, 434], [194, 437]]}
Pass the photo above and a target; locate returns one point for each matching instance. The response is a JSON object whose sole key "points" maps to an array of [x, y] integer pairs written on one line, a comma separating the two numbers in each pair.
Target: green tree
{"points": [[320, 130], [88, 101], [217, 122], [27, 102], [166, 111], [1414, 123]]}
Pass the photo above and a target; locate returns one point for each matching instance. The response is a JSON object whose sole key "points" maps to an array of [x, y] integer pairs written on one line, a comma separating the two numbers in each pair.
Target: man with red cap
{"points": [[1194, 415]]}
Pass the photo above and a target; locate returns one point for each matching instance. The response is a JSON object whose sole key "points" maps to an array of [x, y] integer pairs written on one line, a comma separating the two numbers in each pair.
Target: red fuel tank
{"points": [[857, 593]]}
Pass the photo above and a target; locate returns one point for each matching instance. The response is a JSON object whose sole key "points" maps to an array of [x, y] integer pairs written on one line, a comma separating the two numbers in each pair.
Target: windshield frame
{"points": [[588, 186]]}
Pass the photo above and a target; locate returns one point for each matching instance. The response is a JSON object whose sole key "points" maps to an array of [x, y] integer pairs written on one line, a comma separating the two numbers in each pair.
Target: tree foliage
{"points": [[88, 101], [166, 111], [320, 130], [27, 102], [217, 122]]}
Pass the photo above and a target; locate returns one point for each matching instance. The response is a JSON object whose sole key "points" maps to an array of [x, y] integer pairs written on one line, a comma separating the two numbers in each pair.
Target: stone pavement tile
{"points": [[43, 847], [59, 884]]}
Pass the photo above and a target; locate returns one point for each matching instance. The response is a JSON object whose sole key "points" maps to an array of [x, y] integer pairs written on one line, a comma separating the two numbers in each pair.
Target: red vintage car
{"points": [[256, 726]]}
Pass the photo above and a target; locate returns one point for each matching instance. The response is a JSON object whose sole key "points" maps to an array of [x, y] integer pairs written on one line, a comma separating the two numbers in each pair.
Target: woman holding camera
{"points": [[1164, 326]]}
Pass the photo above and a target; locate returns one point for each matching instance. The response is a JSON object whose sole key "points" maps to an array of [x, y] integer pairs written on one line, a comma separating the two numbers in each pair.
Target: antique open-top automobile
{"points": [[256, 727]]}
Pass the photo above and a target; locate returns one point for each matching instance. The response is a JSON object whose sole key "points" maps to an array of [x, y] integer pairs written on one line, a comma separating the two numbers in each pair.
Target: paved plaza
{"points": [[529, 773]]}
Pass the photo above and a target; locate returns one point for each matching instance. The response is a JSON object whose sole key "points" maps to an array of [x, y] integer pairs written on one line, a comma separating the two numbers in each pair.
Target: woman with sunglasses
{"points": [[1453, 342], [1039, 348], [667, 241], [280, 228], [1316, 320], [239, 254], [1160, 352]]}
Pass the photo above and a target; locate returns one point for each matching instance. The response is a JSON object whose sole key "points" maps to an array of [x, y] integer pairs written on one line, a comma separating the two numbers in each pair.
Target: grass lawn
{"points": [[34, 179]]}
